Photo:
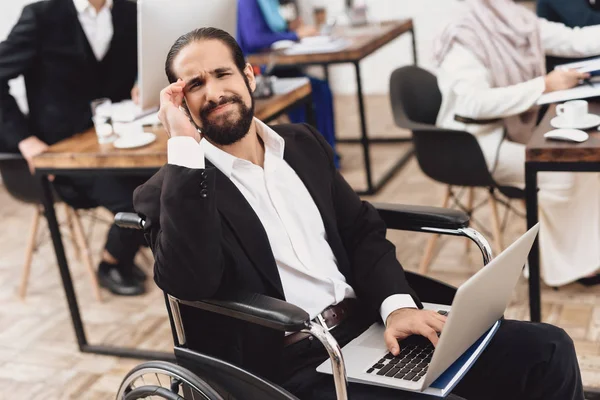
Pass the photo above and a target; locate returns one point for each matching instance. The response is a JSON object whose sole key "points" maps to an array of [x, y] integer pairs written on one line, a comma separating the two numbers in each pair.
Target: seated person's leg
{"points": [[116, 272], [568, 203], [116, 194], [525, 360]]}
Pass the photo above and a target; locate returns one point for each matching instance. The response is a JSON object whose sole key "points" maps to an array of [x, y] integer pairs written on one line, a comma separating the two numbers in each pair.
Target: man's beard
{"points": [[227, 132]]}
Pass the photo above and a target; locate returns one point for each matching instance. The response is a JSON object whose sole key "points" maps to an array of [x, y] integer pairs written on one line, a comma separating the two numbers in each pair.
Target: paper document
{"points": [[592, 66], [583, 91], [286, 85], [318, 44]]}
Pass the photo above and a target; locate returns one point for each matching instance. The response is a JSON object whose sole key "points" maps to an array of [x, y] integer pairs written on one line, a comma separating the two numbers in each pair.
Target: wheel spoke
{"points": [[158, 379]]}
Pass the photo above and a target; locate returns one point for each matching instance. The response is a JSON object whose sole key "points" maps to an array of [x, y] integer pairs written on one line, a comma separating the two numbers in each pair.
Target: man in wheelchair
{"points": [[243, 207]]}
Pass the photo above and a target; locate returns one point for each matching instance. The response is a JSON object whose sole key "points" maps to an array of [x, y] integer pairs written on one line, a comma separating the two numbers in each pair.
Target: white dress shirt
{"points": [[97, 25], [307, 266]]}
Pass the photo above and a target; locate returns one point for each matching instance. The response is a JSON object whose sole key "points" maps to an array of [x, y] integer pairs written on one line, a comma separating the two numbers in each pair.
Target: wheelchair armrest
{"points": [[257, 309], [415, 218], [129, 220]]}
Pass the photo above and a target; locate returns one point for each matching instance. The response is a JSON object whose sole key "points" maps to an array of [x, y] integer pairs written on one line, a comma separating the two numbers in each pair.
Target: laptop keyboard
{"points": [[412, 362]]}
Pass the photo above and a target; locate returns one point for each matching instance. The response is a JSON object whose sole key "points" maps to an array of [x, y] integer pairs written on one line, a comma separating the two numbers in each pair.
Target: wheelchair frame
{"points": [[397, 217]]}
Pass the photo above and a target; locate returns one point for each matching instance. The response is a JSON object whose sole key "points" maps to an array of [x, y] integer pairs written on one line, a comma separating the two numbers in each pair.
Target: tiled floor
{"points": [[38, 355]]}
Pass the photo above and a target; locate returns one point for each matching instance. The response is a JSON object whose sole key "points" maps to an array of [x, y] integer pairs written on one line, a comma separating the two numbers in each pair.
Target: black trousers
{"points": [[524, 360], [114, 193]]}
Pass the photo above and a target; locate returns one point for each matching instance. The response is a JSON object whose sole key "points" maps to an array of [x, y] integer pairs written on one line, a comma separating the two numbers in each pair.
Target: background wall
{"points": [[429, 17]]}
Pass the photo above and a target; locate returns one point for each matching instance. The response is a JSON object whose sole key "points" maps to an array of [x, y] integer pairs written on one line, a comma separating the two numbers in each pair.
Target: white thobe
{"points": [[569, 203]]}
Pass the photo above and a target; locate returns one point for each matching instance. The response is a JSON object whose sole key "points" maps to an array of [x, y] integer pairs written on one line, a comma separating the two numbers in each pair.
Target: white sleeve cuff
{"points": [[395, 302], [539, 85], [185, 152]]}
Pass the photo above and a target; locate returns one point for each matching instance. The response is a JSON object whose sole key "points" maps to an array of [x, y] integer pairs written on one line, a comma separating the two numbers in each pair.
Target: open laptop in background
{"points": [[159, 24], [472, 321]]}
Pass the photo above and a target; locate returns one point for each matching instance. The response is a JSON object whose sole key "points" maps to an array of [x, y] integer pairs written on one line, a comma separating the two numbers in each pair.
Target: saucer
{"points": [[134, 140], [586, 122]]}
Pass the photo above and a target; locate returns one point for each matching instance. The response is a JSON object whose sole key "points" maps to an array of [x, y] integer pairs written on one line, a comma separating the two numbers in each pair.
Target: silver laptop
{"points": [[472, 320]]}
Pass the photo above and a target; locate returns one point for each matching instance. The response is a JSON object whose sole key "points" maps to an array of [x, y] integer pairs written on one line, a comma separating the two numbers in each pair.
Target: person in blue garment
{"points": [[572, 13], [260, 24]]}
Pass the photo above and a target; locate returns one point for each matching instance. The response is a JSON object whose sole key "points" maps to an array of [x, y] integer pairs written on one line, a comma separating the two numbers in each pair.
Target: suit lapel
{"points": [[248, 229], [310, 173], [120, 26], [84, 50], [313, 174]]}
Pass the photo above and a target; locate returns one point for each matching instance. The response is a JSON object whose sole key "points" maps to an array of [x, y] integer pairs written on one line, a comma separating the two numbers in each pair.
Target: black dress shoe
{"points": [[118, 280], [590, 280]]}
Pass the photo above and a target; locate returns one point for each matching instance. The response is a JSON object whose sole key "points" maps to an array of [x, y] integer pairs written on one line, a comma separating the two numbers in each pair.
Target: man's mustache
{"points": [[224, 100]]}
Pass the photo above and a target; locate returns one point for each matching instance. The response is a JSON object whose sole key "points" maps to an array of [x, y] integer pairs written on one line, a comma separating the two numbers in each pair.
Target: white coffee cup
{"points": [[572, 111]]}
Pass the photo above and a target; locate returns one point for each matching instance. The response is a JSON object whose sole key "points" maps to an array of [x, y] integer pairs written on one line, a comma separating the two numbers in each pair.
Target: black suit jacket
{"points": [[49, 48], [207, 241]]}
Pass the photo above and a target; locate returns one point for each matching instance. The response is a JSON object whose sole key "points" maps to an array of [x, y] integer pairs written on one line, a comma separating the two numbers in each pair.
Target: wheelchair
{"points": [[215, 379]]}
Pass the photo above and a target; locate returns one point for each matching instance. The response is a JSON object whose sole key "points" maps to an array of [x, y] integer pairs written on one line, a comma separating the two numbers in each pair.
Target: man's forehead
{"points": [[201, 57]]}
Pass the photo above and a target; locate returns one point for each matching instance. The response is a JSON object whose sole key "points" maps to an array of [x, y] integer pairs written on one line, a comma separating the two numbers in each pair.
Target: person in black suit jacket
{"points": [[268, 212], [65, 52]]}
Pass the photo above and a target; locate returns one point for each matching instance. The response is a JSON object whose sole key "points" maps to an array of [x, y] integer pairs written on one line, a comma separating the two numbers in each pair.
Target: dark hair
{"points": [[204, 34]]}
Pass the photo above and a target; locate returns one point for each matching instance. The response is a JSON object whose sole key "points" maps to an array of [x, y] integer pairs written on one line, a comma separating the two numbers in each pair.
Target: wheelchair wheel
{"points": [[164, 380]]}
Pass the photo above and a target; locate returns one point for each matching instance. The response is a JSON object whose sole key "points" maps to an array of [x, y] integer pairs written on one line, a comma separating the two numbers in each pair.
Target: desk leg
{"points": [[414, 45], [61, 259], [364, 139], [310, 111], [534, 255], [326, 72]]}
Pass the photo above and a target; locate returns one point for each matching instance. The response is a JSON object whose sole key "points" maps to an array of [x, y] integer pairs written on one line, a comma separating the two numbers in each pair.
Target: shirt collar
{"points": [[225, 162], [82, 5]]}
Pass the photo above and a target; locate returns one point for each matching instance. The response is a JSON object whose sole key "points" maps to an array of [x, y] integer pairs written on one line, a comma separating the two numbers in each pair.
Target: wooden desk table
{"points": [[363, 41], [549, 155], [82, 155]]}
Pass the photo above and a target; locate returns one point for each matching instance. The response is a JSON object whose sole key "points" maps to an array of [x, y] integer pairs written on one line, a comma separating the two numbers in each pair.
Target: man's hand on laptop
{"points": [[405, 322], [175, 120]]}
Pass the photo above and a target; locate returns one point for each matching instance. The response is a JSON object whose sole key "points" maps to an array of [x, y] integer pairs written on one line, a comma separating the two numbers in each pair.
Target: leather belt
{"points": [[331, 317], [466, 120]]}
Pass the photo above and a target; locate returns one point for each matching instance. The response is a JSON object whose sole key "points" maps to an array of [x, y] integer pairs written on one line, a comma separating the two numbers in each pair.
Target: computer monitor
{"points": [[160, 23]]}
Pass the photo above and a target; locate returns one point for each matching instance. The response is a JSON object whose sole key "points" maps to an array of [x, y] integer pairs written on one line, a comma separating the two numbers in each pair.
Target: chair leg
{"points": [[35, 222], [426, 260], [81, 242], [470, 198], [69, 220], [496, 224]]}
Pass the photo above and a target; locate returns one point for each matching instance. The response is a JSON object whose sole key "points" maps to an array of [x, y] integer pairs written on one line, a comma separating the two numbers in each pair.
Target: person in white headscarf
{"points": [[491, 67]]}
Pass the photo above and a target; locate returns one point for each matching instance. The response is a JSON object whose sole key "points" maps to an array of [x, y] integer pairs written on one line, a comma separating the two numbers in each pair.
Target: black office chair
{"points": [[24, 187], [216, 379], [447, 156]]}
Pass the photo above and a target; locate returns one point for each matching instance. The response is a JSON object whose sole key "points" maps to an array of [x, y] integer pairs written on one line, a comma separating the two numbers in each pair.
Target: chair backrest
{"points": [[18, 180], [447, 156], [415, 96]]}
